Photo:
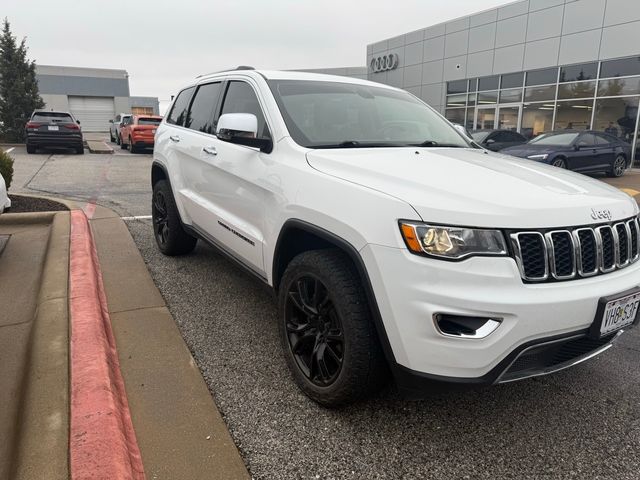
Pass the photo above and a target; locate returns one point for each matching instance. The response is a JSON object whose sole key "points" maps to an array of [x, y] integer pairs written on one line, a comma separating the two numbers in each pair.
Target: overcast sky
{"points": [[165, 44]]}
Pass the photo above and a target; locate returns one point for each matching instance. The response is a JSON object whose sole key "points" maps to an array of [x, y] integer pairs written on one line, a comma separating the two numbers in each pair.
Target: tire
{"points": [[118, 140], [342, 337], [121, 143], [131, 147], [111, 139], [618, 167], [167, 229], [560, 163], [31, 149]]}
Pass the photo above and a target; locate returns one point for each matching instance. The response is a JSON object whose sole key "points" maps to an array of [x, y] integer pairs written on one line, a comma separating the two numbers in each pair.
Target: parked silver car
{"points": [[116, 125]]}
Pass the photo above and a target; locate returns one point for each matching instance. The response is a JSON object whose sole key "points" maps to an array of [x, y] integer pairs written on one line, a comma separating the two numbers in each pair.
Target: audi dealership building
{"points": [[531, 66]]}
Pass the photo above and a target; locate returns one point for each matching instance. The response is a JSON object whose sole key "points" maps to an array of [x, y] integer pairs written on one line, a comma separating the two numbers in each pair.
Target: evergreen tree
{"points": [[19, 95]]}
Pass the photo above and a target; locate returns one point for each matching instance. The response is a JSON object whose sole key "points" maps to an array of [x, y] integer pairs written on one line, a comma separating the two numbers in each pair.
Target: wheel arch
{"points": [[297, 236], [158, 172]]}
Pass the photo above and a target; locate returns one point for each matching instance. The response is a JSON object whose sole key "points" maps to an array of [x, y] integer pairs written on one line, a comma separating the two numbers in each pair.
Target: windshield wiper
{"points": [[356, 144], [433, 143]]}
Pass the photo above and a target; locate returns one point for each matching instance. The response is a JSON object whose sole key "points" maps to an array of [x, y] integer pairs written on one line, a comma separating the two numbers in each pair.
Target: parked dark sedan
{"points": [[53, 129], [587, 151], [496, 140]]}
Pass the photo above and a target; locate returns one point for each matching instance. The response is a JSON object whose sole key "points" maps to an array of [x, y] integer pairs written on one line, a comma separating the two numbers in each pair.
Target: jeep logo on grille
{"points": [[601, 214]]}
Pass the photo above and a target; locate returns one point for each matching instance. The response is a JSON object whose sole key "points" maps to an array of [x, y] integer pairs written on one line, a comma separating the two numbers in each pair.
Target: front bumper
{"points": [[410, 289]]}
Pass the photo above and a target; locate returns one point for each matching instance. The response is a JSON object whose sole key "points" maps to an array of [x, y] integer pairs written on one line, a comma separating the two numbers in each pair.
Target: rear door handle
{"points": [[174, 138], [210, 150]]}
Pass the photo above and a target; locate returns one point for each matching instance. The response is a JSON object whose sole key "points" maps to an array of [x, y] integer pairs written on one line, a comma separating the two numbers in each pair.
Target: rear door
{"points": [[231, 186], [585, 157], [605, 152], [194, 163]]}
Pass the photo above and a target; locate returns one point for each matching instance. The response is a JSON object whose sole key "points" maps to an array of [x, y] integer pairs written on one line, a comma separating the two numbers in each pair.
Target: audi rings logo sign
{"points": [[384, 63]]}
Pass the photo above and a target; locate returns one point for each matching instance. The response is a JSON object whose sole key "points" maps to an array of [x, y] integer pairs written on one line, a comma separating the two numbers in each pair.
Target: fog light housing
{"points": [[459, 326]]}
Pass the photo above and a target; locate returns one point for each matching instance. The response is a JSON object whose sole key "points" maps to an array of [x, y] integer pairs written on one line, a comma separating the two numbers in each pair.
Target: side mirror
{"points": [[110, 121], [78, 122], [242, 129], [491, 141]]}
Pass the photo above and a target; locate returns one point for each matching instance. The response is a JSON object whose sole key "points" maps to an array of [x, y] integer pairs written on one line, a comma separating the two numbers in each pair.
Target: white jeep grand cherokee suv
{"points": [[392, 242]]}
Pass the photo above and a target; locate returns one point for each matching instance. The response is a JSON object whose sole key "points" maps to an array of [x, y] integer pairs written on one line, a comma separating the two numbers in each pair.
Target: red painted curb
{"points": [[102, 441]]}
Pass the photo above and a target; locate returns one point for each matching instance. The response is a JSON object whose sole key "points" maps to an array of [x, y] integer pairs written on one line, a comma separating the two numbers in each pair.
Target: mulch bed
{"points": [[20, 204]]}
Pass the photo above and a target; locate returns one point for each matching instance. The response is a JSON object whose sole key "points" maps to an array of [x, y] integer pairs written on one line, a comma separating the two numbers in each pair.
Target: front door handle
{"points": [[210, 150], [174, 138]]}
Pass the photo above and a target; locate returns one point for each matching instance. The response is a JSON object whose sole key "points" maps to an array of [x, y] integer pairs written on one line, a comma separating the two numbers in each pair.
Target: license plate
{"points": [[54, 128], [616, 314]]}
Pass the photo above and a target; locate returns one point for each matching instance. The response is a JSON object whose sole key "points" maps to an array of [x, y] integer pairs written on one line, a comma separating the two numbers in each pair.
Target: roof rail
{"points": [[239, 67]]}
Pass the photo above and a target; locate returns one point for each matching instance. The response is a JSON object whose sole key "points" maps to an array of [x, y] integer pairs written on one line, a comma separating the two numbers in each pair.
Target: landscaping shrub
{"points": [[6, 167]]}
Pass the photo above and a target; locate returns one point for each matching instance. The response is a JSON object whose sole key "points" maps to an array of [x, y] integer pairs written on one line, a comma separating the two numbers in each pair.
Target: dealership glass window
{"points": [[488, 83], [540, 94], [511, 96], [456, 100], [574, 115], [486, 119], [575, 73], [459, 86], [620, 68], [508, 118], [619, 86], [473, 85], [576, 90], [455, 115], [486, 98], [617, 117], [470, 119], [537, 118], [471, 99], [513, 80], [542, 77]]}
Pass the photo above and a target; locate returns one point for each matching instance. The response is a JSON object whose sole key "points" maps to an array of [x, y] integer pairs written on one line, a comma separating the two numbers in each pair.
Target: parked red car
{"points": [[138, 132]]}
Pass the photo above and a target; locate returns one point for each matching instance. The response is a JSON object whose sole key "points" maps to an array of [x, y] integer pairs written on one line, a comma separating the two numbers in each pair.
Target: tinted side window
{"points": [[602, 140], [514, 137], [179, 110], [241, 98], [200, 115], [501, 137], [587, 140]]}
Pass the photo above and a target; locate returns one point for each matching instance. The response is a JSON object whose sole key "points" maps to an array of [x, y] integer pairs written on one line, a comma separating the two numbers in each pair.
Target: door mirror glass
{"points": [[490, 141], [242, 129]]}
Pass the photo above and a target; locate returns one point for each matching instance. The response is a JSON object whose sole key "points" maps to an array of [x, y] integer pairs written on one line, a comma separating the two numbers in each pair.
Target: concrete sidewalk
{"points": [[179, 430]]}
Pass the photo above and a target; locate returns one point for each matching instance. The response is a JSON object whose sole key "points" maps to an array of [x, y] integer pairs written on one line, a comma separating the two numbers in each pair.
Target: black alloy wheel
{"points": [[619, 166], [160, 218], [560, 163], [314, 330]]}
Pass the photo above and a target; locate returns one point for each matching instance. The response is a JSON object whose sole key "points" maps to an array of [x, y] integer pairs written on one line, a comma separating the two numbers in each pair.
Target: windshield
{"points": [[562, 139], [479, 136], [149, 121], [334, 115]]}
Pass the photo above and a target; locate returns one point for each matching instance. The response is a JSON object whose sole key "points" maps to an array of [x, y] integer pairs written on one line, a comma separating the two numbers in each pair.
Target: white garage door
{"points": [[94, 113]]}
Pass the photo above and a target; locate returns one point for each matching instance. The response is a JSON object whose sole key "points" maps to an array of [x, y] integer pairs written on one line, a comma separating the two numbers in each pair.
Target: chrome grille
{"points": [[576, 253]]}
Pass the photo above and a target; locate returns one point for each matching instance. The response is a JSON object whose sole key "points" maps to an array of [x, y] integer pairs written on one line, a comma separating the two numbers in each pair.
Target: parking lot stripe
{"points": [[102, 441], [140, 217]]}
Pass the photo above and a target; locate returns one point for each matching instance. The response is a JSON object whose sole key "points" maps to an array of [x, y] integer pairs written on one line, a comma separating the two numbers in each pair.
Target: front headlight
{"points": [[454, 243], [542, 156]]}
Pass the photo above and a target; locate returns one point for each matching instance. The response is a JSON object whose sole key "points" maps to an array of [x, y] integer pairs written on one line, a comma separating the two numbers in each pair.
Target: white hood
{"points": [[469, 187]]}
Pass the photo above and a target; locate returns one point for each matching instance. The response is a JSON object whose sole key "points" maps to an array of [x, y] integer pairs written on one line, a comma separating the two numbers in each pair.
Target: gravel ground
{"points": [[20, 204], [580, 423]]}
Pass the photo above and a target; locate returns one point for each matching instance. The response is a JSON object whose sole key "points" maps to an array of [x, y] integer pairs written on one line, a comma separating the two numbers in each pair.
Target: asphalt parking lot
{"points": [[580, 423]]}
